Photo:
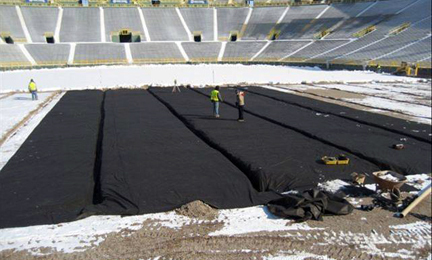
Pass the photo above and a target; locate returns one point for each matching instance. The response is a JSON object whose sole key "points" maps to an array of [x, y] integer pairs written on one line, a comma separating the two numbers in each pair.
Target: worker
{"points": [[240, 104], [378, 68], [215, 98], [33, 89], [176, 88]]}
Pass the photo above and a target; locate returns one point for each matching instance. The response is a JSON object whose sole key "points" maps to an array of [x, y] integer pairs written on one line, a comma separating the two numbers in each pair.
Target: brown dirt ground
{"points": [[337, 95], [341, 237]]}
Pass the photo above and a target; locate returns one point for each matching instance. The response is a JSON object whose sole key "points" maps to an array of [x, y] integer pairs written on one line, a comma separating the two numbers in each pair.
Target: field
{"points": [[171, 151]]}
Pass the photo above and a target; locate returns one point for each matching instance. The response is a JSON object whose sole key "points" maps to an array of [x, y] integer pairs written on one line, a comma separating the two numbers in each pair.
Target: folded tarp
{"points": [[273, 157], [151, 162], [366, 141], [311, 204], [50, 178], [421, 132]]}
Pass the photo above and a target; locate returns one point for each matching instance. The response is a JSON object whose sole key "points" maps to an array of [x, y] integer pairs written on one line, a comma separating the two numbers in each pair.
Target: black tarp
{"points": [[366, 141], [310, 204], [273, 157], [151, 162], [421, 132], [50, 178]]}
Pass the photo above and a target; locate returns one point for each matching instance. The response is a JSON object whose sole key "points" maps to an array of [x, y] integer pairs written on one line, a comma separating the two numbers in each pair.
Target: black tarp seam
{"points": [[242, 166], [379, 164], [344, 117], [97, 196]]}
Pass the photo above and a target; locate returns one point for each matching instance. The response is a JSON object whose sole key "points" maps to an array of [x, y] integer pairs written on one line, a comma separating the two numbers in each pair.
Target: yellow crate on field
{"points": [[339, 160]]}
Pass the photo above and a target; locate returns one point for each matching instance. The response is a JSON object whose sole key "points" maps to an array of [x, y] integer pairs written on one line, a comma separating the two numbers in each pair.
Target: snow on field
{"points": [[254, 219], [421, 113], [411, 109], [377, 91], [202, 74], [390, 100], [17, 106], [78, 235], [13, 143], [293, 255], [418, 181], [419, 89]]}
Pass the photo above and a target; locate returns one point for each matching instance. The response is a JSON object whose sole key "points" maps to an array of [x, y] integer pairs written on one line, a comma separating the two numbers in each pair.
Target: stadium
{"points": [[215, 129]]}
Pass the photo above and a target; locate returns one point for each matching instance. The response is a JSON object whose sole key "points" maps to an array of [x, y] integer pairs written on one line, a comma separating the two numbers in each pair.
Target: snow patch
{"points": [[14, 142], [79, 235], [164, 75], [254, 219], [419, 181], [288, 255], [17, 106], [333, 186]]}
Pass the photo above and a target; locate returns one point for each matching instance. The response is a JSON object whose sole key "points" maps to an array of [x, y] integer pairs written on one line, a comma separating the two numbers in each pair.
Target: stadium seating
{"points": [[80, 25], [39, 21], [119, 18], [386, 32], [49, 54], [200, 20], [202, 52], [156, 52], [261, 22]]}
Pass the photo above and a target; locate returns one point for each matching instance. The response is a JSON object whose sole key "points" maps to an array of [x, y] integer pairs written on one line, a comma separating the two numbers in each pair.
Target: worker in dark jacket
{"points": [[215, 98], [33, 89], [240, 103]]}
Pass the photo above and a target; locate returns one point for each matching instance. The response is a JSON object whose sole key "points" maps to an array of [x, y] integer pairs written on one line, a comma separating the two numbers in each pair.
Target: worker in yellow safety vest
{"points": [[215, 98], [33, 89], [378, 68]]}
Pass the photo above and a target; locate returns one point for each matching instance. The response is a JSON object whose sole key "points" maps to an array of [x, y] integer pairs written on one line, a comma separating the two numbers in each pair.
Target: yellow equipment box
{"points": [[340, 160]]}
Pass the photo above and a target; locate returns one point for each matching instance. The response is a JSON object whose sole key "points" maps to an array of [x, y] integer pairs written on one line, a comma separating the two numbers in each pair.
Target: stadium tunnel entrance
{"points": [[6, 38], [49, 37], [197, 36], [125, 35]]}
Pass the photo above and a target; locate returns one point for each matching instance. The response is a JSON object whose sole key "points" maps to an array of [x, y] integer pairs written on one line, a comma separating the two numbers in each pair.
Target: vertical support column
{"points": [[71, 53], [102, 24], [23, 24], [128, 53], [283, 15], [222, 51], [215, 25], [58, 25], [27, 54], [322, 13], [243, 29], [260, 51], [188, 32], [144, 25], [182, 51]]}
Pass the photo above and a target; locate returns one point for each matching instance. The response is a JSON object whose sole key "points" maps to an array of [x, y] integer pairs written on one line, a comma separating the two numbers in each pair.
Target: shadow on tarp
{"points": [[50, 178]]}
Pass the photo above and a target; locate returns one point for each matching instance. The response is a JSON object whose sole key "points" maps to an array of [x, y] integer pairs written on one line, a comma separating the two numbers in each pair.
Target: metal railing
{"points": [[174, 3], [294, 61]]}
